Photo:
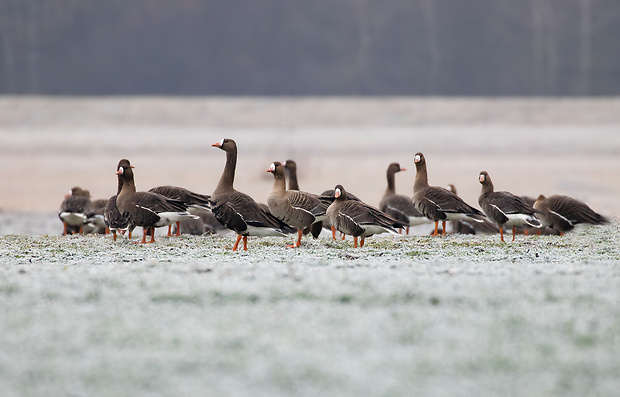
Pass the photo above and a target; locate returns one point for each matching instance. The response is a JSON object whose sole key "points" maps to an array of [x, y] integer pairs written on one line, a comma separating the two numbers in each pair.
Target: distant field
{"points": [[458, 315]]}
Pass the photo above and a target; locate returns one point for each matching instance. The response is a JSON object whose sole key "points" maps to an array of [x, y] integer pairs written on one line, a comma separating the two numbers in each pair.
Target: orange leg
{"points": [[130, 234], [354, 242], [443, 228], [538, 232], [237, 243], [245, 243], [81, 231], [107, 231], [152, 235], [436, 227], [333, 232], [169, 230], [501, 233], [343, 236], [300, 233], [400, 230], [526, 232], [64, 229], [114, 233], [361, 242], [514, 231], [178, 229], [562, 234], [144, 232], [407, 230]]}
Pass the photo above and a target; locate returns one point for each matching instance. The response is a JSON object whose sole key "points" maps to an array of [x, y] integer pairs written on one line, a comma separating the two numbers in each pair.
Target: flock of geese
{"points": [[291, 210]]}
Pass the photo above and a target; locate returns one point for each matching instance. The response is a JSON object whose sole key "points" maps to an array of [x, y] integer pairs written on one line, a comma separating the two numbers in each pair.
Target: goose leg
{"points": [[300, 233], [237, 243], [436, 227], [144, 232], [114, 233], [343, 235], [245, 243], [169, 230], [361, 242], [407, 230], [514, 231], [152, 235], [501, 233], [354, 242], [333, 232], [443, 228], [64, 227], [178, 229]]}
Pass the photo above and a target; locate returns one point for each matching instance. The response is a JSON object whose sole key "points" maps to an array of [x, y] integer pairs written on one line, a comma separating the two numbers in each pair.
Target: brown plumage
{"points": [[193, 201], [398, 206], [437, 203], [75, 210], [562, 213], [505, 208], [146, 209], [238, 211], [358, 218], [293, 207], [466, 227]]}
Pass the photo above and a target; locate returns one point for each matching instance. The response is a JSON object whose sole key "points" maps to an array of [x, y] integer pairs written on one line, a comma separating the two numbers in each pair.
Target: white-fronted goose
{"points": [[437, 203], [75, 210], [193, 201], [358, 218], [398, 206], [290, 171], [562, 213], [293, 207], [112, 216], [146, 209], [238, 211], [466, 227], [505, 208]]}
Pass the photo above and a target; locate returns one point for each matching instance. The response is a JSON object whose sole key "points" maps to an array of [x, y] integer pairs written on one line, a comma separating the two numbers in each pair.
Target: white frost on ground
{"points": [[457, 315]]}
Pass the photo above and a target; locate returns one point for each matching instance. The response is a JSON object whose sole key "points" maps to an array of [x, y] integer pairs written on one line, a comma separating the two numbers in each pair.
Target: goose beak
{"points": [[120, 171], [272, 168], [218, 144], [481, 178], [403, 169]]}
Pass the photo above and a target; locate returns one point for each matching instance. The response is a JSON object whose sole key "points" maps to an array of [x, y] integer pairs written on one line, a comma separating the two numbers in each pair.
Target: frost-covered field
{"points": [[450, 316]]}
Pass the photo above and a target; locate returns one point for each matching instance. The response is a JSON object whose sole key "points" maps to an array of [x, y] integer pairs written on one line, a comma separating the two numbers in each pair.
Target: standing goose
{"points": [[437, 203], [359, 219], [398, 206], [146, 209], [505, 208], [328, 197], [193, 201], [293, 207], [562, 213], [238, 211], [290, 170], [112, 216], [75, 210]]}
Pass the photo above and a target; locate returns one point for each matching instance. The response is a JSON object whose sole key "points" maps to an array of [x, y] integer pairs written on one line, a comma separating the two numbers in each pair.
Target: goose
{"points": [[193, 201], [146, 209], [398, 206], [505, 208], [75, 210], [358, 218], [562, 213], [465, 227], [293, 207], [238, 211], [290, 171], [437, 203]]}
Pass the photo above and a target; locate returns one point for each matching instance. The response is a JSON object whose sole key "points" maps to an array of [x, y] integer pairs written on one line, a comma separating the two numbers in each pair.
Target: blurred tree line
{"points": [[317, 47]]}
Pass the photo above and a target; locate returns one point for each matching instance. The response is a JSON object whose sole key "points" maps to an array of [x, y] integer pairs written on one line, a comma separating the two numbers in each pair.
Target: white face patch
{"points": [[337, 193], [121, 171], [221, 143], [272, 167], [481, 178], [416, 159]]}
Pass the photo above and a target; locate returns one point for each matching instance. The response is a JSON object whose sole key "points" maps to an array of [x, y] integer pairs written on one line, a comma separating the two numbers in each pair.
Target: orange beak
{"points": [[217, 144], [403, 169]]}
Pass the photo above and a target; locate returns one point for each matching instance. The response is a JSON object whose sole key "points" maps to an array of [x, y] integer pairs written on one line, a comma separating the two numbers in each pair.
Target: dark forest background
{"points": [[310, 47]]}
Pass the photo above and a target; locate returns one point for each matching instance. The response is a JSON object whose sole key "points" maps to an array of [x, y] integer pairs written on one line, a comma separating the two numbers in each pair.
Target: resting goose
{"points": [[437, 203], [398, 206], [146, 209], [238, 211], [75, 210], [293, 207], [562, 213], [359, 219], [193, 201], [465, 227], [505, 208]]}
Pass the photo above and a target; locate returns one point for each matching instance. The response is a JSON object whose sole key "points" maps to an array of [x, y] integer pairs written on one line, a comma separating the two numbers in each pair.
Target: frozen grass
{"points": [[451, 316]]}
